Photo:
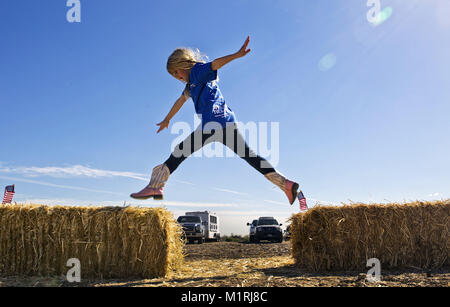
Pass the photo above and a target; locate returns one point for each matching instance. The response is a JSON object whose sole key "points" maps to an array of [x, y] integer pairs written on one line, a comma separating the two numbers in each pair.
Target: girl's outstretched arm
{"points": [[176, 107], [220, 62]]}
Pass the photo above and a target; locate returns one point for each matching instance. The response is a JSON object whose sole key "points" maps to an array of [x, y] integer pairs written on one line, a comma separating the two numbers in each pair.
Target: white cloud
{"points": [[70, 171], [435, 195], [230, 191], [275, 202], [59, 185], [77, 171], [311, 202], [198, 205], [84, 171], [183, 182], [320, 202], [253, 213], [68, 202]]}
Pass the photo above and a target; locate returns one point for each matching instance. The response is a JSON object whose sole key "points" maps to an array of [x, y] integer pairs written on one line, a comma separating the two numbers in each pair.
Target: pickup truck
{"points": [[192, 228], [267, 228]]}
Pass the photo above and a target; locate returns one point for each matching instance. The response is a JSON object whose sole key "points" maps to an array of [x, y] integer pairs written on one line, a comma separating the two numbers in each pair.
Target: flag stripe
{"points": [[302, 201], [9, 194]]}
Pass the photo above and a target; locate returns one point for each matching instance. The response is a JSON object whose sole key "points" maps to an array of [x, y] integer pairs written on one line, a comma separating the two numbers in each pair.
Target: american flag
{"points": [[302, 200], [9, 193]]}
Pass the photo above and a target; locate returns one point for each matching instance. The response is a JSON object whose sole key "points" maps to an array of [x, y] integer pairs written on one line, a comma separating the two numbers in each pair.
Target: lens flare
{"points": [[384, 15], [327, 62]]}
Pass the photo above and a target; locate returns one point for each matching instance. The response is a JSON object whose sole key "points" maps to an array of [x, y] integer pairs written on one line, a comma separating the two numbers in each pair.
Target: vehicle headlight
{"points": [[198, 228]]}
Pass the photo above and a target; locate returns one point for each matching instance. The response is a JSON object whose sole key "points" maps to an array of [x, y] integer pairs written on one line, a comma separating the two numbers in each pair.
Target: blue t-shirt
{"points": [[210, 105]]}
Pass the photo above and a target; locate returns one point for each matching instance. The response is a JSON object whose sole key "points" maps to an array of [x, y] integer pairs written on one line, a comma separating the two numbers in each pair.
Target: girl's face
{"points": [[182, 75]]}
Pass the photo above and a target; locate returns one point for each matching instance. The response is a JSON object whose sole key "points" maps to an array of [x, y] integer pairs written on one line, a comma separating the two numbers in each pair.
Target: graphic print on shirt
{"points": [[208, 100], [218, 109]]}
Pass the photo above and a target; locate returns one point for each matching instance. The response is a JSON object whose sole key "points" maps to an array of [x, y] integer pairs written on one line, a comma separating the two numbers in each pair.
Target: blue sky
{"points": [[363, 110]]}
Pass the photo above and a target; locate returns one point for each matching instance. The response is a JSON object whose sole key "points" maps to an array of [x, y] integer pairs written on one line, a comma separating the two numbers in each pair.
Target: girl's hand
{"points": [[163, 125], [243, 51], [220, 62]]}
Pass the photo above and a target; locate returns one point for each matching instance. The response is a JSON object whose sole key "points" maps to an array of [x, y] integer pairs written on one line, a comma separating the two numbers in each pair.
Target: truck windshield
{"points": [[267, 222], [189, 219]]}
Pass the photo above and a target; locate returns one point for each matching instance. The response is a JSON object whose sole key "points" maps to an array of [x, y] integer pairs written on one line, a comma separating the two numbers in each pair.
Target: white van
{"points": [[210, 222]]}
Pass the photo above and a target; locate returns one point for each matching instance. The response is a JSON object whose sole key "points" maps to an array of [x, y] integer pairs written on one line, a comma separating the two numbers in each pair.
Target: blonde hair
{"points": [[185, 58]]}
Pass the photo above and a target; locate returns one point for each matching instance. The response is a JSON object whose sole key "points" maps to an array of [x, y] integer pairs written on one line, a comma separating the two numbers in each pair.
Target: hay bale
{"points": [[110, 242], [399, 235]]}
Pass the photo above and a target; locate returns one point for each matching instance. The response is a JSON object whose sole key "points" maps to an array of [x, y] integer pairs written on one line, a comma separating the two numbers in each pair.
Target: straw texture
{"points": [[110, 242], [399, 235]]}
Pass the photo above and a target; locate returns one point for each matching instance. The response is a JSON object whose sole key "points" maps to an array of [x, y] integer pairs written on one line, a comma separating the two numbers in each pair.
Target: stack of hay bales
{"points": [[110, 242], [399, 235]]}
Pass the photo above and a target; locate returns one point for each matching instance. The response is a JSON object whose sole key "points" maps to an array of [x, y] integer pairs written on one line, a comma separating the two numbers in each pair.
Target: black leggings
{"points": [[229, 137]]}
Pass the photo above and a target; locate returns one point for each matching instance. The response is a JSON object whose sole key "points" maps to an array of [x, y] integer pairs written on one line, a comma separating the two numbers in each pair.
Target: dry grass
{"points": [[215, 273], [278, 270], [399, 235], [110, 242]]}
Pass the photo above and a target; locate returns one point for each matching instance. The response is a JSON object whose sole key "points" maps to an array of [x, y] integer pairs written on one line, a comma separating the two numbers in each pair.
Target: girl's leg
{"points": [[191, 144], [239, 146], [236, 142], [161, 173]]}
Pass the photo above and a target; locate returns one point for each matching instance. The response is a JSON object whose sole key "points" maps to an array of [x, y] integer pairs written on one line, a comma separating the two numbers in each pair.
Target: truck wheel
{"points": [[200, 241]]}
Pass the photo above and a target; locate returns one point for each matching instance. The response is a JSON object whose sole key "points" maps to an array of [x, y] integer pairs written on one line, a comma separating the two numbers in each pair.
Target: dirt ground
{"points": [[251, 265]]}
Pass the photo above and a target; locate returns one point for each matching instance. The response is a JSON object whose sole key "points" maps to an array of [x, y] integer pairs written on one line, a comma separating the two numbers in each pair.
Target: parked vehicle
{"points": [[210, 222], [192, 228], [287, 233], [252, 230], [269, 229]]}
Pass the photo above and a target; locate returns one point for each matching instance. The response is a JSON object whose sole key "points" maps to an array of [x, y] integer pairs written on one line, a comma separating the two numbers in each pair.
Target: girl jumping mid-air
{"points": [[218, 123]]}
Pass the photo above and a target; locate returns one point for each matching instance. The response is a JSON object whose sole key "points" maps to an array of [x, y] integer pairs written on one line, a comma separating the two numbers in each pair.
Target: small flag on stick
{"points": [[9, 193], [302, 200]]}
